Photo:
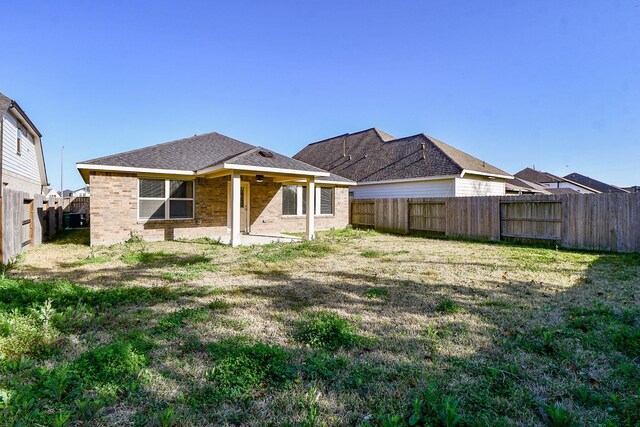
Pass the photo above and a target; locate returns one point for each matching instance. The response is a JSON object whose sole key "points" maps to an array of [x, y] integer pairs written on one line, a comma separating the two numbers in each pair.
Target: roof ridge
{"points": [[434, 141], [135, 150], [243, 154]]}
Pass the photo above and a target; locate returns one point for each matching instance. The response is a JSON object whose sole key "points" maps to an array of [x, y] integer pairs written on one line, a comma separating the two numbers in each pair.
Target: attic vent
{"points": [[264, 153]]}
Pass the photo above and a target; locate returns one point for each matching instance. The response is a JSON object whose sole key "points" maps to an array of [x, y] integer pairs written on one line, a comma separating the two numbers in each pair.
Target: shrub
{"points": [[326, 330], [25, 334]]}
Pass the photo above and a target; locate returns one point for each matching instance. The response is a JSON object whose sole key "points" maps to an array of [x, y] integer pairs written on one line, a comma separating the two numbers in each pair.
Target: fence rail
{"points": [[583, 221]]}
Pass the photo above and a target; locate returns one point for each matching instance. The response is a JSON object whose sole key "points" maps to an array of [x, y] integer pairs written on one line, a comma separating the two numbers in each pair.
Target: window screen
{"points": [[289, 199], [152, 188], [326, 201], [165, 199]]}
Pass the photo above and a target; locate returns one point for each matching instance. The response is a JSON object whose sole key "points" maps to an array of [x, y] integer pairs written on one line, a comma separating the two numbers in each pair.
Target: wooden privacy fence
{"points": [[27, 220], [583, 221]]}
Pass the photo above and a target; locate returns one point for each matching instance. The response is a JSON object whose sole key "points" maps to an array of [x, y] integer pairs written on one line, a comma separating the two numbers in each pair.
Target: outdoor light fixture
{"points": [[260, 178]]}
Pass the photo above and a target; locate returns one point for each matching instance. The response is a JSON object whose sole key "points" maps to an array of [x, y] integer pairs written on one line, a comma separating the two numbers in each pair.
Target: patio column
{"points": [[235, 209], [311, 192]]}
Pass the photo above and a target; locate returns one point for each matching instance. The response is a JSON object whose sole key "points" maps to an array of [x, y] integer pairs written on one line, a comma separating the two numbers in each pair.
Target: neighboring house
{"points": [[555, 184], [416, 166], [633, 189], [52, 193], [518, 186], [80, 192], [594, 183], [210, 186], [22, 163]]}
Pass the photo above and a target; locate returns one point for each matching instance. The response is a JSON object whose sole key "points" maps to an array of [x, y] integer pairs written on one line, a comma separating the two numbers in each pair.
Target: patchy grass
{"points": [[377, 293], [194, 333]]}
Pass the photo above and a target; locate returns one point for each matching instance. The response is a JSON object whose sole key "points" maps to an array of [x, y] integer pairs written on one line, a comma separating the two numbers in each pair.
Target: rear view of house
{"points": [[210, 186], [416, 166]]}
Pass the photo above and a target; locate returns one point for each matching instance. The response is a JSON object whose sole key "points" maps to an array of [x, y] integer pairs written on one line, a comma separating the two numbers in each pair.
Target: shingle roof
{"points": [[5, 103], [200, 152], [532, 175], [373, 155], [595, 184], [519, 184]]}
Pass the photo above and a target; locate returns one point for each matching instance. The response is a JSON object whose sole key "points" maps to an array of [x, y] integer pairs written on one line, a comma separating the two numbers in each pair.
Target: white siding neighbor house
{"points": [[416, 166], [22, 164]]}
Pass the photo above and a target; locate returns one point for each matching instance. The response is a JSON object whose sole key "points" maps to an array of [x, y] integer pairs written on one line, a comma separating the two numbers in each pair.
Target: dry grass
{"points": [[490, 326]]}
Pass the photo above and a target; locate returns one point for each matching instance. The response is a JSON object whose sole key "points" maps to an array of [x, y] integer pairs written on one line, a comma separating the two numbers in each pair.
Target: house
{"points": [[80, 192], [553, 183], [518, 186], [213, 186], [26, 217], [594, 183], [415, 166], [23, 167], [52, 193]]}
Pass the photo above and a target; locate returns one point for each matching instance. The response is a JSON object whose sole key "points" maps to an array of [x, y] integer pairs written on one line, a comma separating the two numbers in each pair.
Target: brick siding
{"points": [[114, 210]]}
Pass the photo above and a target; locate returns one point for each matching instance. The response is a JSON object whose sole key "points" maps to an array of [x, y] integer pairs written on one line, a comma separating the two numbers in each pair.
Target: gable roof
{"points": [[373, 155], [5, 104], [595, 184], [533, 175], [522, 185], [200, 154]]}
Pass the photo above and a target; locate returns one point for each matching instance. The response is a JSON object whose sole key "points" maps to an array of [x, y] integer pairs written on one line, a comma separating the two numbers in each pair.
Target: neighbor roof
{"points": [[519, 184], [595, 184], [373, 155], [201, 152], [6, 103], [532, 175]]}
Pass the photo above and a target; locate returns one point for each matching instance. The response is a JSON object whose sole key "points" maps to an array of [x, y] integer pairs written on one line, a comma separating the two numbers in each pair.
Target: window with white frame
{"points": [[19, 141], [165, 199], [294, 200], [326, 201]]}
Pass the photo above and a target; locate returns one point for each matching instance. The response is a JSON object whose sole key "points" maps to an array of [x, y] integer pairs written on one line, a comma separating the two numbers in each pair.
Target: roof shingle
{"points": [[373, 155]]}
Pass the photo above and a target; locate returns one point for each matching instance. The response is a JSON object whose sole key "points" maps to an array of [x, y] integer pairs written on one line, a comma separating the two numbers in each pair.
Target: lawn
{"points": [[355, 328]]}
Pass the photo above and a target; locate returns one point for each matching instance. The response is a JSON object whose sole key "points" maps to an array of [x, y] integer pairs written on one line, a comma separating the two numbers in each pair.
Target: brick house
{"points": [[210, 185]]}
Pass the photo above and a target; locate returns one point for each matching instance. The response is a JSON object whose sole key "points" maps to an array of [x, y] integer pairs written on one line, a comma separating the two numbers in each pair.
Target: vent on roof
{"points": [[265, 153]]}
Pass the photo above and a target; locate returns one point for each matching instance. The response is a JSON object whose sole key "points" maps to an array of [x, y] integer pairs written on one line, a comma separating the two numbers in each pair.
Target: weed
{"points": [[326, 330], [142, 257], [370, 253], [556, 416], [112, 369], [241, 366], [178, 319], [167, 418], [449, 307], [377, 293], [282, 252]]}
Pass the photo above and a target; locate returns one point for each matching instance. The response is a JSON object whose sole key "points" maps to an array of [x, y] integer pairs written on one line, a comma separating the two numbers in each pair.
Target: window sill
{"points": [[155, 221]]}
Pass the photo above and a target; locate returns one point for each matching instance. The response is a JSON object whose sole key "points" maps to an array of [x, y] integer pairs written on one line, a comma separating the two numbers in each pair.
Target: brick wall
{"points": [[114, 210]]}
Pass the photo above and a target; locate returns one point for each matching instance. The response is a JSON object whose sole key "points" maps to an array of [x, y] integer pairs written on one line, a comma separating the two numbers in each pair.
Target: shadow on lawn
{"points": [[540, 347]]}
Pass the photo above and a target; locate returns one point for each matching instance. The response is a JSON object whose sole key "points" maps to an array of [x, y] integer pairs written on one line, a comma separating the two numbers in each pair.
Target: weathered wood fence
{"points": [[608, 222], [26, 221]]}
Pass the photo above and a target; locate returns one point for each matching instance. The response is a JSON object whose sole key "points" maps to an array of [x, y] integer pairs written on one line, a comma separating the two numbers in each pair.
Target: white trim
{"points": [[323, 182], [167, 201], [225, 166], [273, 170], [424, 178], [130, 169], [472, 172]]}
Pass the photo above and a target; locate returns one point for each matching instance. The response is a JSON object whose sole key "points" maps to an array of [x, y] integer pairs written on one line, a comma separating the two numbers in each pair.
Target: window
{"points": [[165, 199], [326, 201], [294, 200], [289, 200], [19, 141]]}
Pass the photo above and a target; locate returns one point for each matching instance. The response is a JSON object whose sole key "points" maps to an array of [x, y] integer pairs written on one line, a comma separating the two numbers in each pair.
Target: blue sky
{"points": [[545, 83]]}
